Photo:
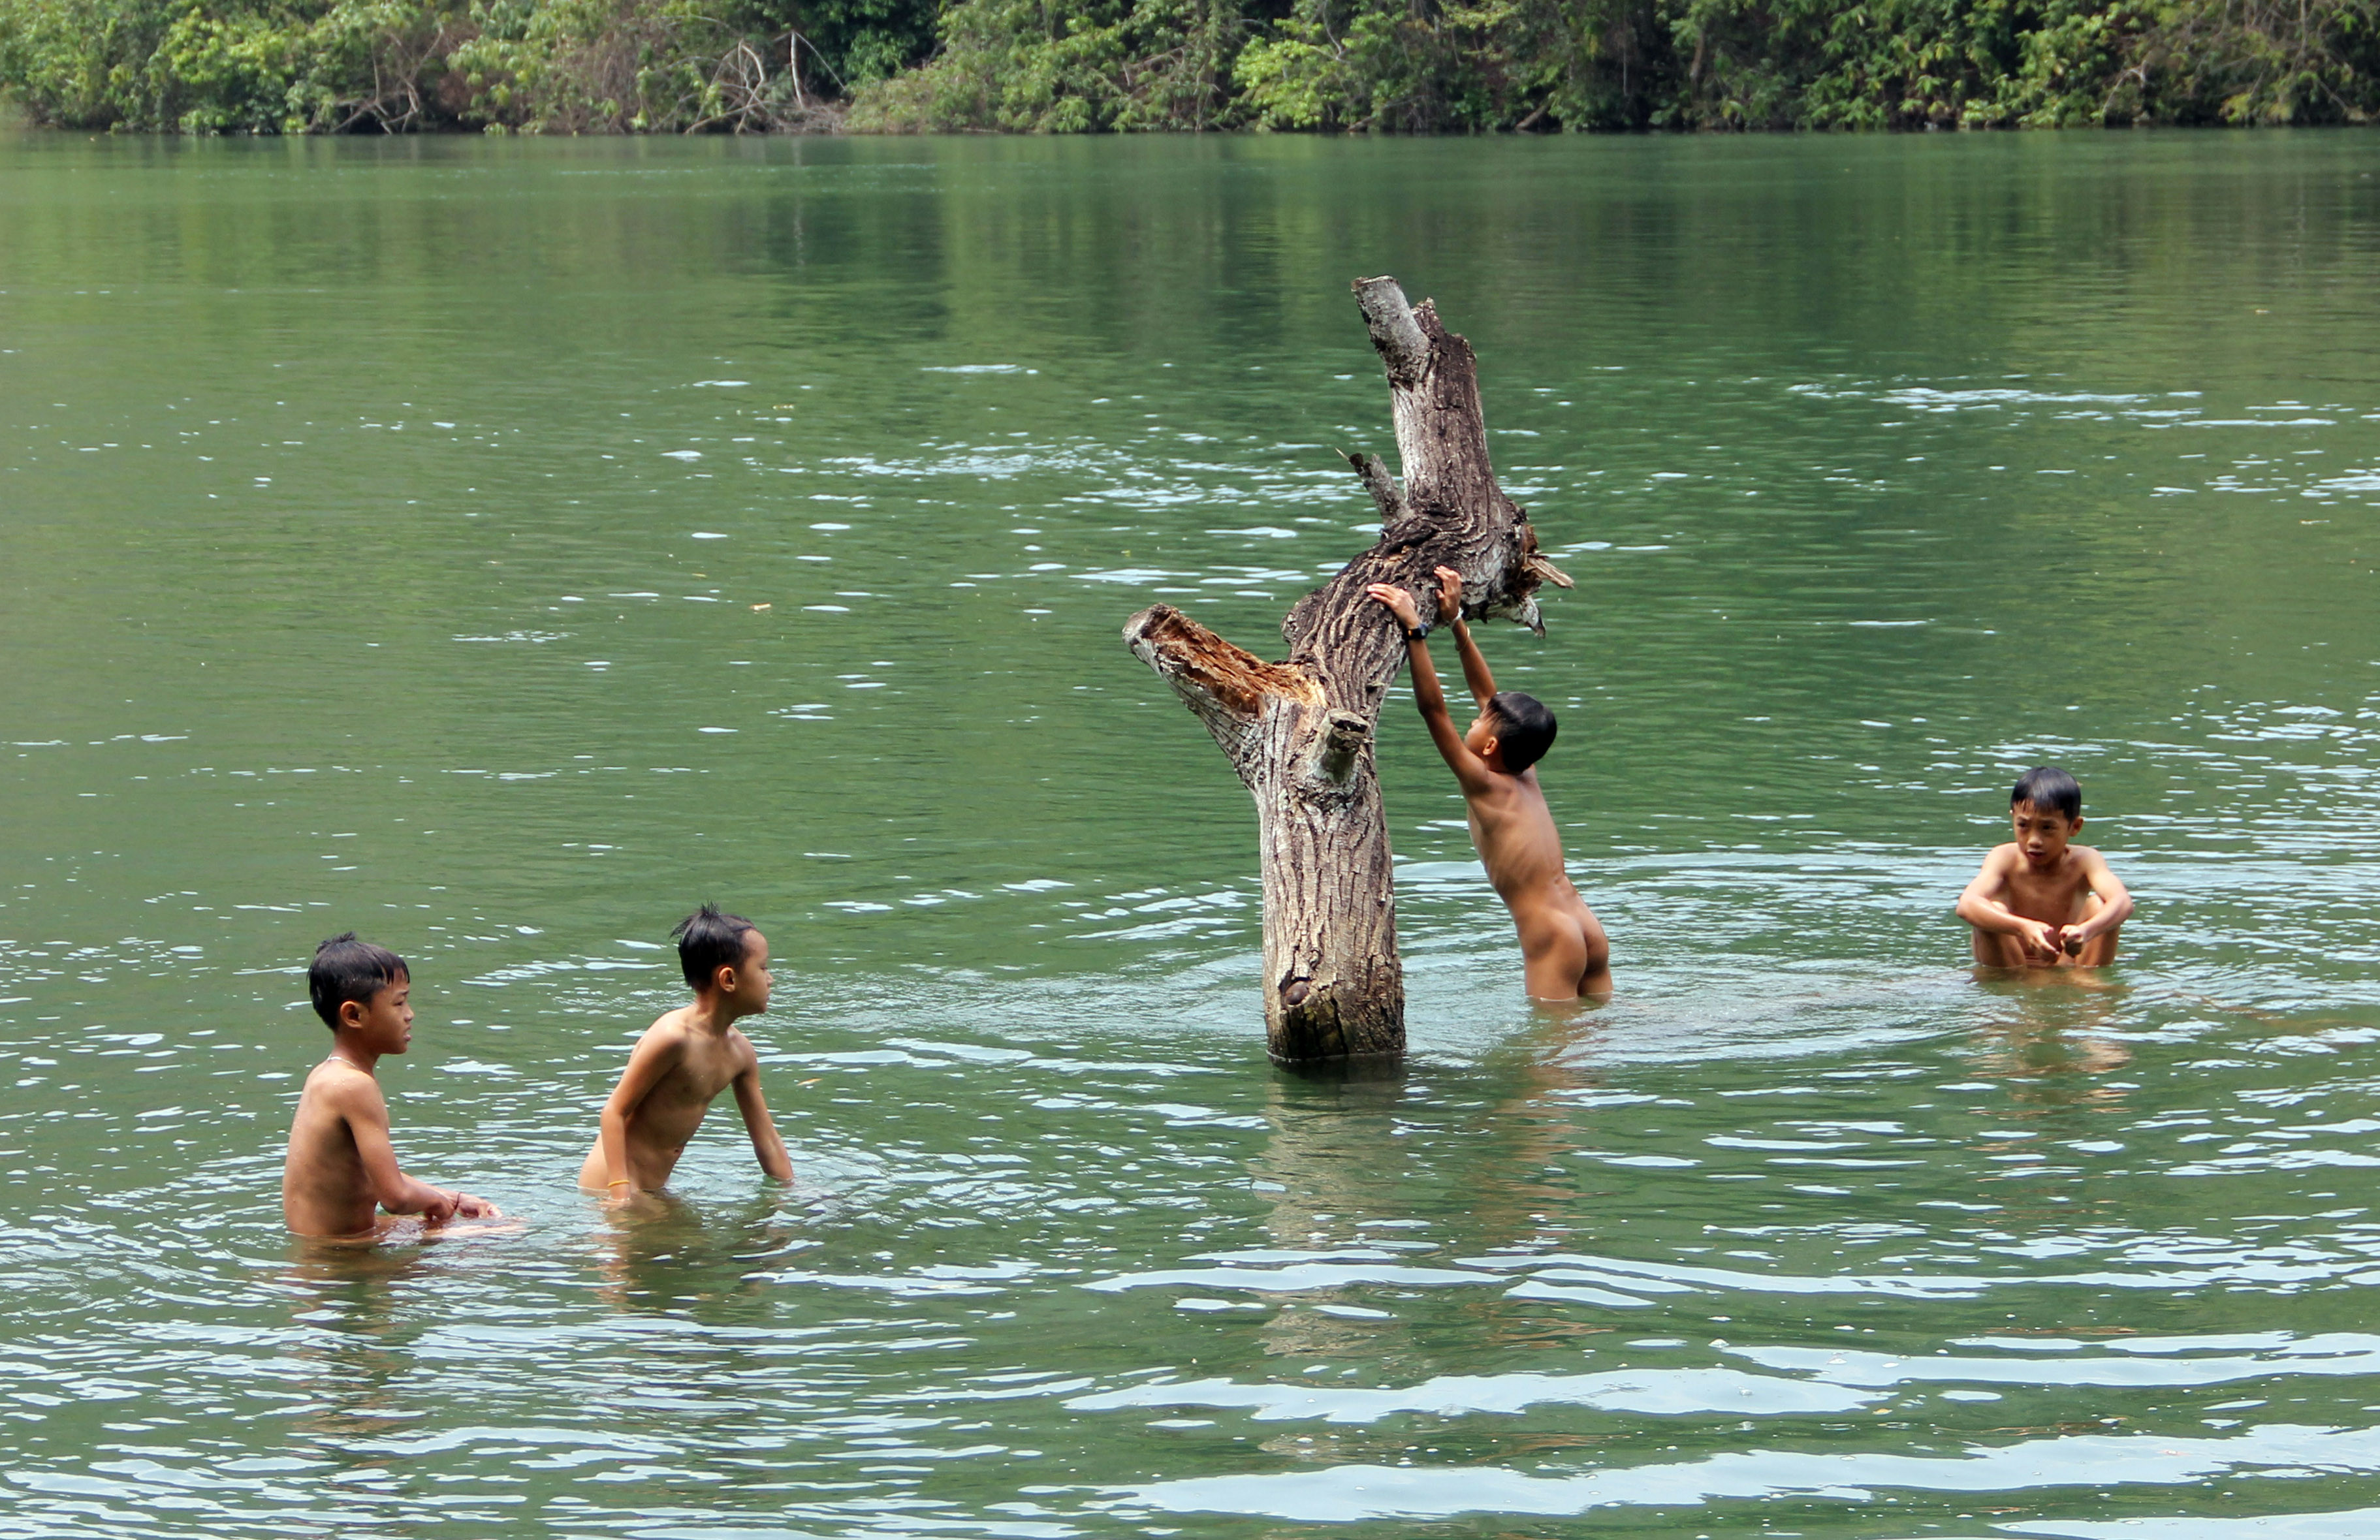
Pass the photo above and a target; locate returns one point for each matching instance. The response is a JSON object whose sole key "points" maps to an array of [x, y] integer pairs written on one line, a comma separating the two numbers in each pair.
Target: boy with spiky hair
{"points": [[1563, 950], [686, 1058], [2039, 901], [341, 1167]]}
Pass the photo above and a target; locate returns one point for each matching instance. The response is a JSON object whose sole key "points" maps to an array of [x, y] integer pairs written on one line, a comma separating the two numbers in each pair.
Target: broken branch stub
{"points": [[1301, 733]]}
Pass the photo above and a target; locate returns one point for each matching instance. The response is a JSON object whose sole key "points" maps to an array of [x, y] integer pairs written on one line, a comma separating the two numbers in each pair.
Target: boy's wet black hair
{"points": [[345, 969], [707, 942], [1524, 729], [2048, 786]]}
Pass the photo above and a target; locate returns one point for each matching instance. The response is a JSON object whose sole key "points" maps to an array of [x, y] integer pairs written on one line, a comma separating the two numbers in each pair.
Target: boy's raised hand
{"points": [[1450, 595], [1400, 603]]}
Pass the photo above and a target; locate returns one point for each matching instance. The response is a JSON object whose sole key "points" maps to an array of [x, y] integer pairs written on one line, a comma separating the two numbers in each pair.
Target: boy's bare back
{"points": [[685, 1060], [324, 1189], [1563, 949]]}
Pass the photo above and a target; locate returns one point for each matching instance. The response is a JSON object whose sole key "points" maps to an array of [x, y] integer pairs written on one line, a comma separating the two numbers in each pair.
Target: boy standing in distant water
{"points": [[686, 1058], [2039, 901], [1563, 949], [340, 1166]]}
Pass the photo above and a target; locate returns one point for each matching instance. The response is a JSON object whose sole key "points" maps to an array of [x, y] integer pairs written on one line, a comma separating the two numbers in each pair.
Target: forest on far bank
{"points": [[1087, 65]]}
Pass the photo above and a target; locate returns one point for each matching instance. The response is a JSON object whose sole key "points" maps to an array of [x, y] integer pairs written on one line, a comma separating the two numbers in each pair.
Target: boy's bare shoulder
{"points": [[747, 1056], [1494, 783], [335, 1083], [668, 1028]]}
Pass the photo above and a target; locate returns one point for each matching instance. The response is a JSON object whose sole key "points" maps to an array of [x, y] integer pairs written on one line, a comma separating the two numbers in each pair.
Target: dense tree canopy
{"points": [[1073, 65]]}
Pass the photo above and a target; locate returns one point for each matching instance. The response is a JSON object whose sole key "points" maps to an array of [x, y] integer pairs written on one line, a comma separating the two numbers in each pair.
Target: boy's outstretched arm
{"points": [[1449, 612], [655, 1055], [365, 1111], [760, 1125], [1470, 770], [1980, 908], [2115, 904]]}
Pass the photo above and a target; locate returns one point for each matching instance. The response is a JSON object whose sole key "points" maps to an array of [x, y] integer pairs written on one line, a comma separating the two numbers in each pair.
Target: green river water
{"points": [[501, 546]]}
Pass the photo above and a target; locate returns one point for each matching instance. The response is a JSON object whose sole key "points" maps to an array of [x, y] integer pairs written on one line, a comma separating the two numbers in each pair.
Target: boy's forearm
{"points": [[614, 1137], [1428, 694], [412, 1196], [1985, 915], [1474, 662], [769, 1145], [2112, 913]]}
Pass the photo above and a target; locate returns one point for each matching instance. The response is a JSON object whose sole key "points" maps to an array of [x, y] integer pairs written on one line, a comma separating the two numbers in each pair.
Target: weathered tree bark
{"points": [[1300, 732]]}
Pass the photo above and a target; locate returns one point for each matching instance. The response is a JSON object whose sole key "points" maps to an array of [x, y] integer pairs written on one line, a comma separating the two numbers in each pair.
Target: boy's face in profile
{"points": [[2041, 833], [1482, 733], [383, 1024], [752, 977]]}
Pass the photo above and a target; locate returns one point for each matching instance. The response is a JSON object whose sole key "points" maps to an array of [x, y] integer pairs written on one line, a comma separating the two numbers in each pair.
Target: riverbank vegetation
{"points": [[1079, 66]]}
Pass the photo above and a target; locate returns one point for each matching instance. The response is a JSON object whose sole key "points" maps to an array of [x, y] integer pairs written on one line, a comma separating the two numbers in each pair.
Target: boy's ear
{"points": [[351, 1013], [722, 978]]}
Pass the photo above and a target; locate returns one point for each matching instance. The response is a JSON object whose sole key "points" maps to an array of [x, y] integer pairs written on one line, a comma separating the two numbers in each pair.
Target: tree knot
{"points": [[1338, 746]]}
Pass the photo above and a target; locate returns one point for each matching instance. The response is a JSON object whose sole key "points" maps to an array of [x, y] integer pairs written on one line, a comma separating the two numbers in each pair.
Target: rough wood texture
{"points": [[1300, 732]]}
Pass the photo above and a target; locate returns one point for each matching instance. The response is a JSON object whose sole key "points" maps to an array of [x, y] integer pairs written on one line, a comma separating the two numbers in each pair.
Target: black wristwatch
{"points": [[1416, 633]]}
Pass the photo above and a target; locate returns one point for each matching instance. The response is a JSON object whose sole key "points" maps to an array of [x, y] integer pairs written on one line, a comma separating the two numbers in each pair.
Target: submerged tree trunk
{"points": [[1300, 732]]}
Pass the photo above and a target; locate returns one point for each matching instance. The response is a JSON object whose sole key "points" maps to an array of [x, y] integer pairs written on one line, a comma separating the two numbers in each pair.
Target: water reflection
{"points": [[352, 1355], [2057, 1023], [663, 1253], [1334, 1158]]}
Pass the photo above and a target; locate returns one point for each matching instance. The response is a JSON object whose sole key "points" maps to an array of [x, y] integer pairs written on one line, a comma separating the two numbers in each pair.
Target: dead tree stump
{"points": [[1300, 732]]}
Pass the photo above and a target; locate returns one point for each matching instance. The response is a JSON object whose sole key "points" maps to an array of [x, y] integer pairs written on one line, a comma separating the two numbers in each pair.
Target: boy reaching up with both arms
{"points": [[1563, 949]]}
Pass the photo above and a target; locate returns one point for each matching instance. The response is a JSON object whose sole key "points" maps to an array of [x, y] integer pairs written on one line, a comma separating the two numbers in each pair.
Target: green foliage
{"points": [[554, 66], [1419, 68], [1066, 67], [1436, 66], [217, 68], [1081, 65]]}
